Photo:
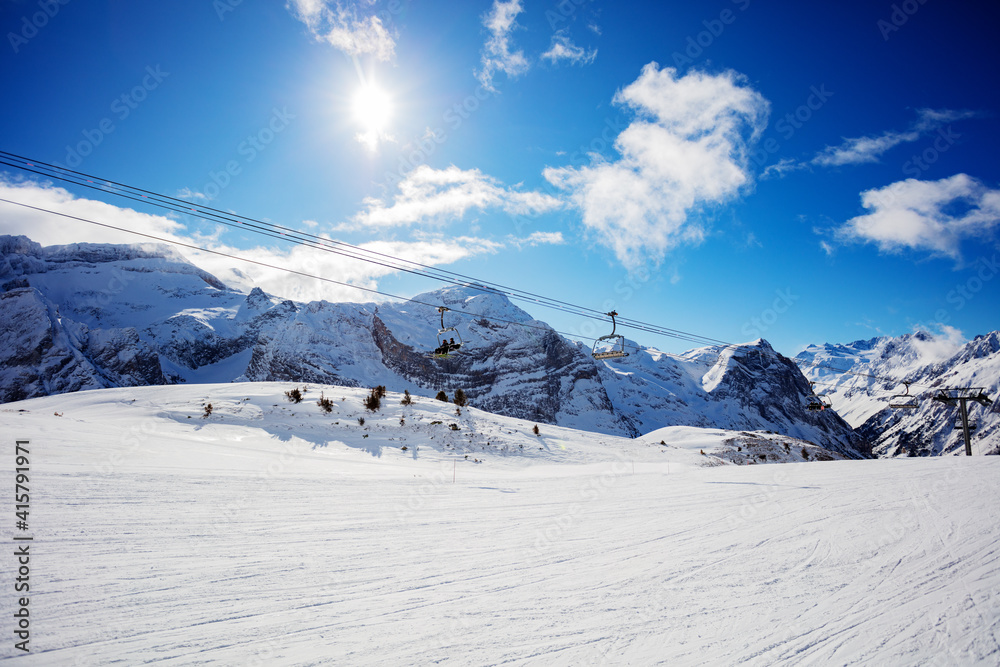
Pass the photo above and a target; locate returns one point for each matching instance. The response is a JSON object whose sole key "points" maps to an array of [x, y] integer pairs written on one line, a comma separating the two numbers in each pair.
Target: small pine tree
{"points": [[402, 421], [407, 399], [460, 399], [208, 411], [441, 396], [535, 430], [361, 421], [373, 401], [325, 404], [294, 395], [380, 390]]}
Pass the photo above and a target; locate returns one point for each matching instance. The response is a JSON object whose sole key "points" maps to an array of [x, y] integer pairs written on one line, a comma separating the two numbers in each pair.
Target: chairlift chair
{"points": [[904, 401], [816, 402], [617, 349], [445, 347]]}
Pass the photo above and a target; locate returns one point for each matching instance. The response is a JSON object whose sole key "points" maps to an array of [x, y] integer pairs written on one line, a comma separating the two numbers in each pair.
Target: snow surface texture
{"points": [[930, 364], [86, 316], [273, 533]]}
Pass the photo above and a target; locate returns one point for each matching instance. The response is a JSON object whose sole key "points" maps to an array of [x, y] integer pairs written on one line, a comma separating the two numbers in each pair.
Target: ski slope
{"points": [[272, 533]]}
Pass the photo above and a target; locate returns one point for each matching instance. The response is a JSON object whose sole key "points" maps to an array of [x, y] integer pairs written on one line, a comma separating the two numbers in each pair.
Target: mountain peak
{"points": [[18, 245], [258, 300], [477, 300]]}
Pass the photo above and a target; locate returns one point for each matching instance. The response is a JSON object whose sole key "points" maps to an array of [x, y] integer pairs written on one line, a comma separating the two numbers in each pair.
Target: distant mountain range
{"points": [[930, 365], [87, 316]]}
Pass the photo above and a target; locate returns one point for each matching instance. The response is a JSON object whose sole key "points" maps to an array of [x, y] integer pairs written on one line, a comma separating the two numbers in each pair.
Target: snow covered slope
{"points": [[87, 316], [930, 363], [273, 533]]}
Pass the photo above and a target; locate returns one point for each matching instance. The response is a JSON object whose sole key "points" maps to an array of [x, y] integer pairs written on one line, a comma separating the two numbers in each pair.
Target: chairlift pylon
{"points": [[904, 401], [617, 349], [445, 345]]}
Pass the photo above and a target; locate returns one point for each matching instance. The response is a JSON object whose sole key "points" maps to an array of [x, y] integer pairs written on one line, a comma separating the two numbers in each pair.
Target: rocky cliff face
{"points": [[740, 387], [84, 316], [43, 353]]}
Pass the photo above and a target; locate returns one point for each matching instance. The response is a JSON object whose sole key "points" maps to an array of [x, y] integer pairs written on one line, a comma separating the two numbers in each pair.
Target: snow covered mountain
{"points": [[86, 316], [929, 363]]}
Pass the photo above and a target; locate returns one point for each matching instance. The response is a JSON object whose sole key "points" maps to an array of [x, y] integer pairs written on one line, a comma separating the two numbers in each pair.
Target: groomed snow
{"points": [[272, 533]]}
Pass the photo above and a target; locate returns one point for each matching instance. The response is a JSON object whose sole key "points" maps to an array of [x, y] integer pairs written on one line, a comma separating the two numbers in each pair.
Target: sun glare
{"points": [[372, 109]]}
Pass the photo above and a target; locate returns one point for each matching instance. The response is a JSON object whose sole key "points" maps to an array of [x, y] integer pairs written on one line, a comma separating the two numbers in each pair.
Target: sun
{"points": [[372, 109]]}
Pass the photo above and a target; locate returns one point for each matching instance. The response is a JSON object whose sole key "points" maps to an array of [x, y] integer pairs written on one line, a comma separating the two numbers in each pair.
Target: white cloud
{"points": [[860, 150], [188, 193], [782, 167], [536, 239], [432, 251], [930, 216], [497, 55], [686, 149], [563, 49], [48, 229], [343, 28], [943, 344], [434, 196]]}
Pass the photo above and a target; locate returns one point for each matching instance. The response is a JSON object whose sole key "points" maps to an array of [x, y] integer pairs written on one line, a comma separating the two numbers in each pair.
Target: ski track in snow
{"points": [[259, 537]]}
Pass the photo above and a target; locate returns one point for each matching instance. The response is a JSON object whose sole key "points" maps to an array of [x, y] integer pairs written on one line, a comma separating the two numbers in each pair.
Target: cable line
{"points": [[191, 246], [297, 237], [385, 260]]}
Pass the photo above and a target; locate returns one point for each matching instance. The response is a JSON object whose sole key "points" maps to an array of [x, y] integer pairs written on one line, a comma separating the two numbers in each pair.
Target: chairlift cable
{"points": [[306, 239], [304, 274]]}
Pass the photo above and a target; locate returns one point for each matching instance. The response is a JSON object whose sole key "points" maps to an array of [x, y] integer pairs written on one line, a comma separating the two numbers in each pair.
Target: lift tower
{"points": [[961, 397]]}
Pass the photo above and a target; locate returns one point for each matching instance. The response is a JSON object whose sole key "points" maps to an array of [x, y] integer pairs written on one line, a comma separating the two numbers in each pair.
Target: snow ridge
{"points": [[107, 316]]}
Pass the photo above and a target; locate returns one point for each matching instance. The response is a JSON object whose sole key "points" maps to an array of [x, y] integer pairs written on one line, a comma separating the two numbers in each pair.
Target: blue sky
{"points": [[733, 169]]}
